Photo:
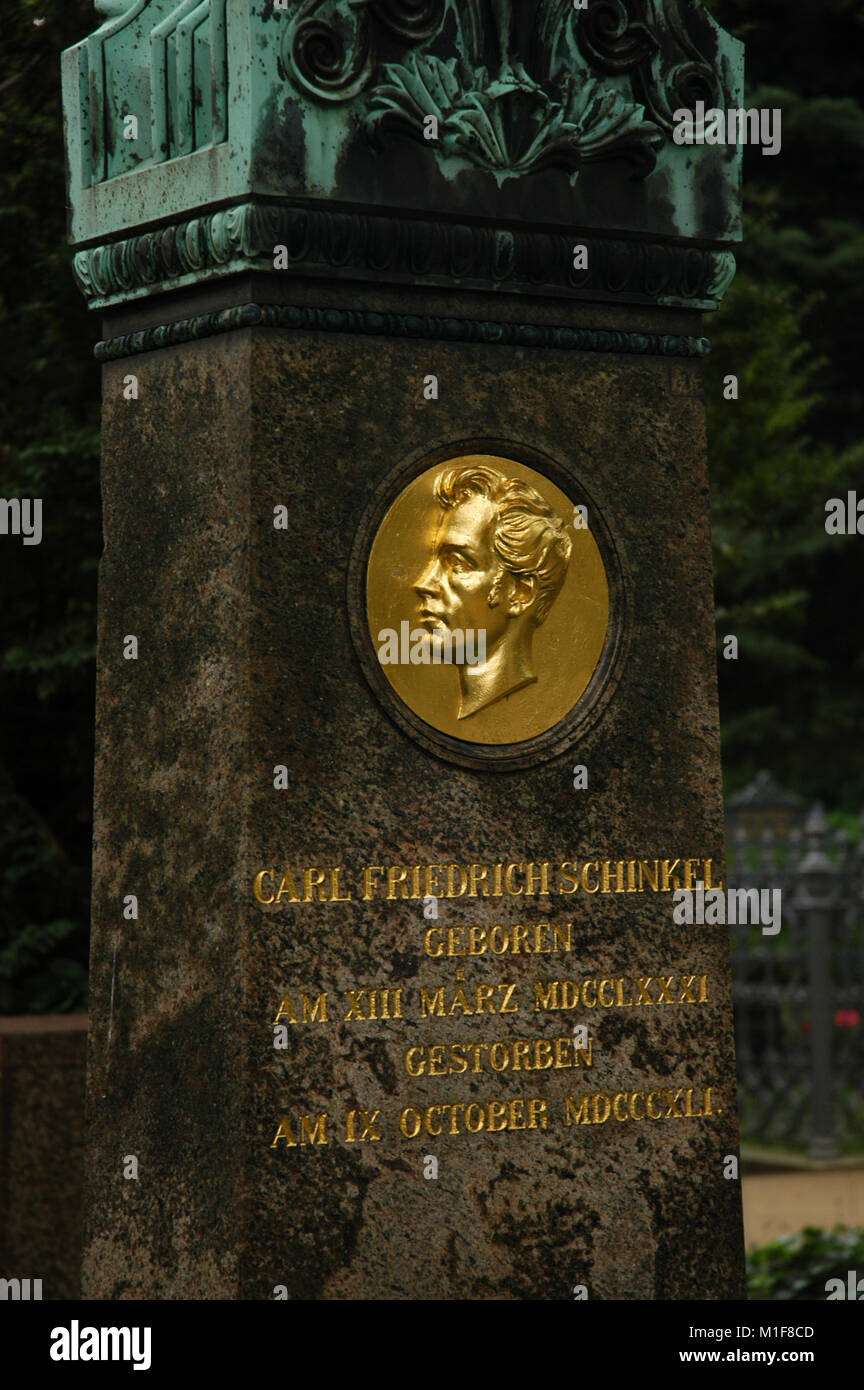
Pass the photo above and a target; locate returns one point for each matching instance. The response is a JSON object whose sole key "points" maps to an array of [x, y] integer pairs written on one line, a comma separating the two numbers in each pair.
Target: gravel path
{"points": [[779, 1204]]}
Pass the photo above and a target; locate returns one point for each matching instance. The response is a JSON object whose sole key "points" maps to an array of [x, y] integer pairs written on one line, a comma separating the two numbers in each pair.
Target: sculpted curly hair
{"points": [[529, 538]]}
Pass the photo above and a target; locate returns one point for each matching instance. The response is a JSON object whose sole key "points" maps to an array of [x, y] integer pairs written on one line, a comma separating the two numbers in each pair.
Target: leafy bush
{"points": [[798, 1267]]}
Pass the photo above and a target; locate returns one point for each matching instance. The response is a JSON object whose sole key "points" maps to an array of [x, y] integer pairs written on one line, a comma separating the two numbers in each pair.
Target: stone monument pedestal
{"points": [[387, 996]]}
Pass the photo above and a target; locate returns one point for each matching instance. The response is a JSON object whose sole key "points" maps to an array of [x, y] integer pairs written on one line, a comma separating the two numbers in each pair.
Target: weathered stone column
{"points": [[402, 335]]}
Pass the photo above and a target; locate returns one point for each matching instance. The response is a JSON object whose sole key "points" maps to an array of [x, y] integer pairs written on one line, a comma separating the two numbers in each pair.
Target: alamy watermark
{"points": [[19, 1290], [845, 515], [728, 906], [853, 1289], [22, 516], [733, 126], [418, 647], [77, 1343]]}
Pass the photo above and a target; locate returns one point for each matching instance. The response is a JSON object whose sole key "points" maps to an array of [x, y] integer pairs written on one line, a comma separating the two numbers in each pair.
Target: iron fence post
{"points": [[816, 894]]}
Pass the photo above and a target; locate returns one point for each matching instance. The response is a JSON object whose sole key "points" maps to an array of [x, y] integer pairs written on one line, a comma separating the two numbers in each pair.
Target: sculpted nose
{"points": [[428, 581]]}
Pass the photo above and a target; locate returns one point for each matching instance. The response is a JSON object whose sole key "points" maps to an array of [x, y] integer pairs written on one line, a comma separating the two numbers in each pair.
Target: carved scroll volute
{"points": [[614, 38], [611, 39], [412, 20], [330, 49]]}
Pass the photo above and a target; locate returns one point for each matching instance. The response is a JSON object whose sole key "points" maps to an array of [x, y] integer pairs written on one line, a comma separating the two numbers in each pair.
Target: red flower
{"points": [[847, 1018]]}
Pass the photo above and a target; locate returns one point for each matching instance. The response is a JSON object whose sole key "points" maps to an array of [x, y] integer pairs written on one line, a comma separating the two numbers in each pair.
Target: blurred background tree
{"points": [[789, 330], [49, 448]]}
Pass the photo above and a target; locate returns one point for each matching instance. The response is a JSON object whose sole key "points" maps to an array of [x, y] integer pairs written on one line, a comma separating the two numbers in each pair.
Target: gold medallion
{"points": [[487, 599]]}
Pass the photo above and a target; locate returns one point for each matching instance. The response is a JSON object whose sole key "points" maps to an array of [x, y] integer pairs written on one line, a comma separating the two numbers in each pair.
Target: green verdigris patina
{"points": [[186, 122]]}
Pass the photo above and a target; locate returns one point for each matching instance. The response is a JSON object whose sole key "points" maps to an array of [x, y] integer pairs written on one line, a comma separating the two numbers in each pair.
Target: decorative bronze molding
{"points": [[531, 115], [429, 326], [523, 88], [398, 250]]}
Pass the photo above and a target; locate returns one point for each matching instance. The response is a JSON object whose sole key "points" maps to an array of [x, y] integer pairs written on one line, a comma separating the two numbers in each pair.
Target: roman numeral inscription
{"points": [[529, 1002]]}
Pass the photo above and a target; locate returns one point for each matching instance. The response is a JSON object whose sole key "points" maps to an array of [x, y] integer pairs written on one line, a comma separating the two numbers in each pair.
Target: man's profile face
{"points": [[454, 589]]}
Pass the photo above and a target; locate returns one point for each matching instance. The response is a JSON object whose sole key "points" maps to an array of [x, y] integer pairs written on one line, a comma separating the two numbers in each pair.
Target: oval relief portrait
{"points": [[487, 600]]}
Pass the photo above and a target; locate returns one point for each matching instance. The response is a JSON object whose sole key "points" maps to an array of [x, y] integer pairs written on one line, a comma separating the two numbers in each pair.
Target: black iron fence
{"points": [[799, 994]]}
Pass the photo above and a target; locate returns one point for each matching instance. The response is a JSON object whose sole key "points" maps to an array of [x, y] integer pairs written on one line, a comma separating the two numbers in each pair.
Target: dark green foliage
{"points": [[790, 702], [797, 1268], [790, 329], [49, 448]]}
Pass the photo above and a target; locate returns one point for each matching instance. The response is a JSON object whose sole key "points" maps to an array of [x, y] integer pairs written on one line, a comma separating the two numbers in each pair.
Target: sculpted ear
{"points": [[523, 593]]}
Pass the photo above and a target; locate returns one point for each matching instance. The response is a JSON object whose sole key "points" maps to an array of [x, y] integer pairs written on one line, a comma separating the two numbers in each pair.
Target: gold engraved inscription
{"points": [[307, 1129], [663, 1104], [455, 1118], [461, 1060], [536, 1054], [516, 878], [620, 991], [375, 1005]]}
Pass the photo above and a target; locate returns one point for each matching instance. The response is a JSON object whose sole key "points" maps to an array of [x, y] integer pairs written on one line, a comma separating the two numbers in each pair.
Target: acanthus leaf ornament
{"points": [[511, 125]]}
